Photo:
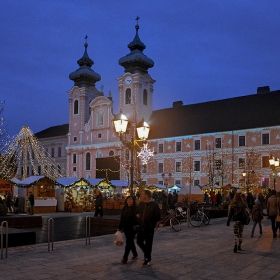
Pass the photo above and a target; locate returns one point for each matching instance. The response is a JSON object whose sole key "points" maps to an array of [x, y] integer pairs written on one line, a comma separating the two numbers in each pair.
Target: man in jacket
{"points": [[272, 210], [98, 204], [148, 213]]}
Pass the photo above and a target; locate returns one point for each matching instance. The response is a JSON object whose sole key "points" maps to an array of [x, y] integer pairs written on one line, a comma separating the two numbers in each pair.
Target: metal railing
{"points": [[50, 236], [2, 238], [87, 230]]}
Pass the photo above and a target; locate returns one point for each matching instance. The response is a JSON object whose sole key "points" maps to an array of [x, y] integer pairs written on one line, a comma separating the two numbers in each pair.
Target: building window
{"points": [[87, 161], [241, 163], [99, 154], [111, 153], [144, 169], [218, 164], [59, 152], [265, 182], [196, 182], [160, 182], [99, 135], [126, 154], [178, 146], [178, 167], [160, 167], [145, 97], [52, 152], [265, 138], [27, 172], [196, 165], [39, 170], [241, 141], [74, 158], [218, 143], [177, 182], [265, 161], [46, 152], [100, 117], [197, 144], [76, 107], [59, 169], [160, 148], [75, 138], [144, 183], [128, 96], [74, 168]]}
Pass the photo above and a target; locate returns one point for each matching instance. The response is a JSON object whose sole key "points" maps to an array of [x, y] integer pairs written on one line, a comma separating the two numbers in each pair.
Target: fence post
{"points": [[188, 217], [2, 239], [50, 225], [88, 229]]}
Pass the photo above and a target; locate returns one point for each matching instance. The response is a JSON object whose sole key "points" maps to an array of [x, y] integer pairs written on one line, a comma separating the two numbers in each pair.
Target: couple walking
{"points": [[144, 217]]}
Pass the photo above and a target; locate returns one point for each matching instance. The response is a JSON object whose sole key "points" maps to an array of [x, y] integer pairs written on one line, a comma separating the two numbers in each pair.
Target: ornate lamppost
{"points": [[143, 129], [274, 165], [165, 180]]}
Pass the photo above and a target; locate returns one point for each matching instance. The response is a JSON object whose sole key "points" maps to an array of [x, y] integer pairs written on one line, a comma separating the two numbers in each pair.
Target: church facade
{"points": [[214, 143]]}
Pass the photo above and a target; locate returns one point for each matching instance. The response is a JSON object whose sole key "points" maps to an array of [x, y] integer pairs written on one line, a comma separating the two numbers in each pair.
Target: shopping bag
{"points": [[118, 239]]}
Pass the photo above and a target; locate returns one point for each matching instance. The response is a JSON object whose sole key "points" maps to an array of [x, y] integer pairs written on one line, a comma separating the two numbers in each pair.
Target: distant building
{"points": [[212, 143]]}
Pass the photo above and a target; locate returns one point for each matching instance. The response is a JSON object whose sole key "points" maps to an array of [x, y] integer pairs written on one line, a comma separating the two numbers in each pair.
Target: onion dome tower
{"points": [[136, 61], [85, 76]]}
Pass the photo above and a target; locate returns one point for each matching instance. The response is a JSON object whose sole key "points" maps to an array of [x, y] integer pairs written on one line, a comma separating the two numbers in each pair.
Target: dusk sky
{"points": [[202, 50]]}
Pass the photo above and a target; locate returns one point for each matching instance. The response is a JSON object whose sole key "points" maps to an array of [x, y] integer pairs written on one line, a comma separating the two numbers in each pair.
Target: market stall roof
{"points": [[176, 187], [187, 189], [94, 181], [119, 183], [104, 184], [6, 181], [15, 180], [36, 181], [69, 182], [156, 186]]}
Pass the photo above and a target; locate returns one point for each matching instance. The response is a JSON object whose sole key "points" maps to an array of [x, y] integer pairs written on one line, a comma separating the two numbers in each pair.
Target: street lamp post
{"points": [[247, 182], [165, 180], [274, 164], [120, 123]]}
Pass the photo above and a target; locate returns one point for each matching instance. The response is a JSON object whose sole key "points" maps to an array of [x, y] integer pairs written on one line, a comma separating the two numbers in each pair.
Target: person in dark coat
{"points": [[31, 201], [250, 200], [219, 199], [272, 210], [16, 204], [9, 202], [148, 214], [257, 216], [127, 223], [235, 212], [98, 204]]}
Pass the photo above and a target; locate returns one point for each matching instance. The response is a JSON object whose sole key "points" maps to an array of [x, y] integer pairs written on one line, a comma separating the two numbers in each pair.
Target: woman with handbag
{"points": [[128, 224]]}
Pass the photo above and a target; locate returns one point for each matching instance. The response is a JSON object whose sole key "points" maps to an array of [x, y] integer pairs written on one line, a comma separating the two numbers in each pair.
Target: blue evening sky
{"points": [[203, 51]]}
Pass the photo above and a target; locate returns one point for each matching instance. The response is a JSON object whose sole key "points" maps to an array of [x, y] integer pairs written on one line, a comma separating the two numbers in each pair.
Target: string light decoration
{"points": [[24, 149], [145, 154]]}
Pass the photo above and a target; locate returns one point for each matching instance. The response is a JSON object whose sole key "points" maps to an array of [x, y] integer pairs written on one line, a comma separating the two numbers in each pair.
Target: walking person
{"points": [[98, 204], [257, 216], [31, 202], [148, 213], [272, 211], [16, 204], [235, 212], [127, 224], [9, 202]]}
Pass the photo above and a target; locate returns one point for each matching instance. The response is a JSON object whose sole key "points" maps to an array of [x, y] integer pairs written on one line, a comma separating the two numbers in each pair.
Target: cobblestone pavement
{"points": [[193, 253]]}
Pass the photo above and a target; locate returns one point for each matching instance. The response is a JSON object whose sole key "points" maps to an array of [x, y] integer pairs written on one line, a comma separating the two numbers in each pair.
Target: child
{"points": [[257, 216]]}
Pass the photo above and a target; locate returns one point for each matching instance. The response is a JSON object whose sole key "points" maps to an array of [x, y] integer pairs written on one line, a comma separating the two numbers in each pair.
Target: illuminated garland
{"points": [[145, 154]]}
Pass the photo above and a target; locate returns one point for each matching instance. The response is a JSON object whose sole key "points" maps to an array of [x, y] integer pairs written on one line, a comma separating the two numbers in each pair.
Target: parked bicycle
{"points": [[198, 218], [174, 223]]}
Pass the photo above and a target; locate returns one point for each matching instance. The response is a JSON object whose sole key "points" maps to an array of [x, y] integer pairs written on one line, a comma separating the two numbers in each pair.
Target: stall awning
{"points": [[70, 182], [37, 181]]}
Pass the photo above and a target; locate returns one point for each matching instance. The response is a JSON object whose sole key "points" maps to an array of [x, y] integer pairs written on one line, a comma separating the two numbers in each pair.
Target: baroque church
{"points": [[217, 143]]}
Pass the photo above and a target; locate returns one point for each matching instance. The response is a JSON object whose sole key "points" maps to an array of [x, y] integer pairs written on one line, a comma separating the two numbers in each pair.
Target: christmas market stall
{"points": [[78, 195], [43, 189], [190, 193], [107, 190]]}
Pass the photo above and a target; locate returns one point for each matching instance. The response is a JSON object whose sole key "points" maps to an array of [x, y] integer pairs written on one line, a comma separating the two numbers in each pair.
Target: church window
{"points": [[145, 97], [111, 153], [128, 96], [99, 135], [100, 117], [99, 154], [88, 161], [76, 107], [74, 159]]}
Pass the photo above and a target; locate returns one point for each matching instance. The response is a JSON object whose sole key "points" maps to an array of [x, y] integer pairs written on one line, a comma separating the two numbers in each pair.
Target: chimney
{"points": [[263, 90], [177, 104]]}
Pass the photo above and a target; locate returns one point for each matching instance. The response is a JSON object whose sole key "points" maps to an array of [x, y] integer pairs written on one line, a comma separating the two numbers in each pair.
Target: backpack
{"points": [[246, 215]]}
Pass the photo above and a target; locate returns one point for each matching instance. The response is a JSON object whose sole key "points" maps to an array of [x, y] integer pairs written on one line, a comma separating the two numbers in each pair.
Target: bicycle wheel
{"points": [[175, 224], [205, 220], [196, 220]]}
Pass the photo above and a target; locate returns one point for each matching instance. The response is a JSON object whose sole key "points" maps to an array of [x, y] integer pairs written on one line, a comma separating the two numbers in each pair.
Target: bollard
{"points": [[2, 239], [188, 217], [50, 225], [88, 230]]}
